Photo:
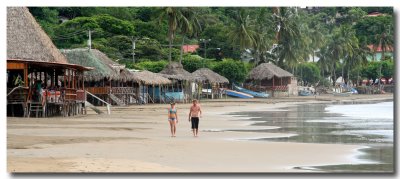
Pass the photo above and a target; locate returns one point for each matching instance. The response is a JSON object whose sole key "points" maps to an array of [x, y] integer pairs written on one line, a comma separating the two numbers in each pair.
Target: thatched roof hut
{"points": [[175, 71], [268, 71], [150, 78], [104, 66], [205, 74], [26, 40]]}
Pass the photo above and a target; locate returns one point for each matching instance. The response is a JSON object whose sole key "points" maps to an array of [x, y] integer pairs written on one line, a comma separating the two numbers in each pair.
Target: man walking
{"points": [[194, 116]]}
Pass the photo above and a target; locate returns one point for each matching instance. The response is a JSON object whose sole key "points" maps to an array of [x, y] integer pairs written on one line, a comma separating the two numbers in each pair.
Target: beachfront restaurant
{"points": [[271, 79], [36, 88], [40, 81], [209, 84]]}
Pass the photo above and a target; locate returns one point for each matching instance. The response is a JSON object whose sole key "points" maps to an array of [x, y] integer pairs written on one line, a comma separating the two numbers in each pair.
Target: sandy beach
{"points": [[137, 139]]}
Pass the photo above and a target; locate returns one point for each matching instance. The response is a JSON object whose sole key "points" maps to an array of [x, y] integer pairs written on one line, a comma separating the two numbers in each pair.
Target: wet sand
{"points": [[137, 139]]}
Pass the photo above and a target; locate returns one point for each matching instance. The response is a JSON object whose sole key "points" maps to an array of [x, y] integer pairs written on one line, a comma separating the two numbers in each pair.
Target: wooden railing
{"points": [[268, 88], [98, 90], [122, 90], [17, 94], [108, 104], [70, 94], [80, 95]]}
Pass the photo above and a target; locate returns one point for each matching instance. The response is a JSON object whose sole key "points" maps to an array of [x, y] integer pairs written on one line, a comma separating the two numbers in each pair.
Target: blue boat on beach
{"points": [[253, 93], [304, 93], [238, 94]]}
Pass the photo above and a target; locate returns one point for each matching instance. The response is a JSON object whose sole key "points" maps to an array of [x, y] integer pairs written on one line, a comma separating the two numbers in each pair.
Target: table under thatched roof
{"points": [[268, 71], [26, 40], [205, 74], [98, 60], [175, 70], [150, 78]]}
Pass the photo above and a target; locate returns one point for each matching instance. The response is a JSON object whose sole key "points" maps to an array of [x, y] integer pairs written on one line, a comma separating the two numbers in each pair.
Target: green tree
{"points": [[384, 40], [242, 32], [309, 73], [47, 18], [290, 40], [263, 39], [356, 61], [175, 19], [192, 63], [153, 66], [234, 71]]}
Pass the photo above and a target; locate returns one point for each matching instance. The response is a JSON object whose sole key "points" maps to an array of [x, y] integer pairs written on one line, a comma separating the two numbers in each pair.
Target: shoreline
{"points": [[151, 140]]}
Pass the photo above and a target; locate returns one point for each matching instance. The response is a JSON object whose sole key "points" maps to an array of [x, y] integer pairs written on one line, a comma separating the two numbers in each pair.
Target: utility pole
{"points": [[133, 48], [183, 42], [90, 40], [205, 41]]}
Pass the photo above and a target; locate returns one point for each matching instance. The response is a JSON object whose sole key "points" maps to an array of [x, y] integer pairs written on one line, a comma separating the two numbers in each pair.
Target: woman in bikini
{"points": [[173, 119]]}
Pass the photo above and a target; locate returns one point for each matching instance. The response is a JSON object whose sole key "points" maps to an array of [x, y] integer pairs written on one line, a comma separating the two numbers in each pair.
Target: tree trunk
{"points": [[313, 57], [170, 47], [343, 73], [333, 72], [348, 76], [183, 42]]}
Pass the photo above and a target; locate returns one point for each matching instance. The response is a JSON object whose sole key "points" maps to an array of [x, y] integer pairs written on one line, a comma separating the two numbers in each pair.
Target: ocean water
{"points": [[368, 124]]}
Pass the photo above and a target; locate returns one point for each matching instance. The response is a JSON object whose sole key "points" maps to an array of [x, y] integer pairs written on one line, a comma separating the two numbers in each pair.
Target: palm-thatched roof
{"points": [[205, 74], [175, 70], [26, 40], [98, 60], [150, 78], [268, 71]]}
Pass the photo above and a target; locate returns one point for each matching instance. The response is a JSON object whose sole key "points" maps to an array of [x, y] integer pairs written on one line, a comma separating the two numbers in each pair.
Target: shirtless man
{"points": [[194, 116]]}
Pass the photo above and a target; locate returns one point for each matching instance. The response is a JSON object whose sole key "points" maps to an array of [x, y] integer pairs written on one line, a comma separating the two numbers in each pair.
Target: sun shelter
{"points": [[269, 78], [151, 85], [180, 89], [211, 81]]}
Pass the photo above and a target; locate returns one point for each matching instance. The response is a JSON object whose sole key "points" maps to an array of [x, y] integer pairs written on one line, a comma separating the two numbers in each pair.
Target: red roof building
{"points": [[190, 48], [379, 49], [374, 14]]}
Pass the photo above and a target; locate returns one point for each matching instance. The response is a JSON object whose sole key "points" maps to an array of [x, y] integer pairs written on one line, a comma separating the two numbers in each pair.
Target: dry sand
{"points": [[137, 139]]}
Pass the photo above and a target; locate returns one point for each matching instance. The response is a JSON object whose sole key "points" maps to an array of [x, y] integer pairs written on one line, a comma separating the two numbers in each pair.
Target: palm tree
{"points": [[264, 36], [290, 41], [324, 61], [191, 26], [317, 39], [384, 40], [358, 59], [340, 46], [242, 32], [178, 18]]}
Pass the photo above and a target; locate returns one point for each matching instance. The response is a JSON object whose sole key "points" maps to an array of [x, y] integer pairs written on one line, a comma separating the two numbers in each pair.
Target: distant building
{"points": [[374, 14], [190, 48], [378, 52]]}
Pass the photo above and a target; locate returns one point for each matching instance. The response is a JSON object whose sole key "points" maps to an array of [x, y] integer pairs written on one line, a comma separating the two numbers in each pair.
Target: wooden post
{"points": [[52, 78], [154, 91], [26, 75], [183, 91], [45, 79], [65, 78], [273, 86], [159, 92], [83, 80], [73, 78]]}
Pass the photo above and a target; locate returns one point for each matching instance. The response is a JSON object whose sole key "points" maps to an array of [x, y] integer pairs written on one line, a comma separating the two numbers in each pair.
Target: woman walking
{"points": [[173, 119]]}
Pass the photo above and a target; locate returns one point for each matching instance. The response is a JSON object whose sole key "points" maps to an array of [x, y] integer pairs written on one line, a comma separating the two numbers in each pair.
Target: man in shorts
{"points": [[194, 115]]}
